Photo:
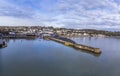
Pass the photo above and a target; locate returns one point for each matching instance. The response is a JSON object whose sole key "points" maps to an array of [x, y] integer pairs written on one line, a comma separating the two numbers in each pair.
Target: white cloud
{"points": [[90, 13], [8, 9], [64, 13], [12, 21]]}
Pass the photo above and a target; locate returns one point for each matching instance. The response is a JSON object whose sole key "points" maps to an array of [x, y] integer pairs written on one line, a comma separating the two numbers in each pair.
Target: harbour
{"points": [[59, 37], [39, 57], [54, 37]]}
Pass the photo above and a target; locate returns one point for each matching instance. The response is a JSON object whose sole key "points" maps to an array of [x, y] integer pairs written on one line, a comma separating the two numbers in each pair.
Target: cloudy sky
{"points": [[96, 14]]}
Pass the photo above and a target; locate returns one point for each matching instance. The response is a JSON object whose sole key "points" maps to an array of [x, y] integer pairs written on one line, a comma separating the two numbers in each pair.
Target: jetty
{"points": [[69, 42]]}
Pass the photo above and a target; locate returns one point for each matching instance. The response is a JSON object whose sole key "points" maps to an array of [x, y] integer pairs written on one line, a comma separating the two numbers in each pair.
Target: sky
{"points": [[84, 14]]}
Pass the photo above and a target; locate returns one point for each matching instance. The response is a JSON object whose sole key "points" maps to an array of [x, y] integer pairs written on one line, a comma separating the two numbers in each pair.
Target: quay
{"points": [[69, 42], [19, 37]]}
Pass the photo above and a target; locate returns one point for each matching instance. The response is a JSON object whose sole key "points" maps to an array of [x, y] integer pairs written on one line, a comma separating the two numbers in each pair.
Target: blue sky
{"points": [[86, 14]]}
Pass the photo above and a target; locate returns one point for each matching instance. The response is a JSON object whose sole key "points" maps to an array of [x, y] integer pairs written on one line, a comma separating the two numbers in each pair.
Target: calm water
{"points": [[48, 58]]}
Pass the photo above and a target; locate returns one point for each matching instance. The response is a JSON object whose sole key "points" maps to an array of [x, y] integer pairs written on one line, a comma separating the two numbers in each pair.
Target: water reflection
{"points": [[1, 63], [48, 58], [88, 52]]}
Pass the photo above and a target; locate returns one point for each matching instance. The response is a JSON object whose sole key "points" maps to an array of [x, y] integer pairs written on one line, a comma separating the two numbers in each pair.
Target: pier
{"points": [[69, 42]]}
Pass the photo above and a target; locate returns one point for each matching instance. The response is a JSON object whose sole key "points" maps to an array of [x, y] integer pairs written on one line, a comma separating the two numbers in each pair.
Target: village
{"points": [[32, 31], [60, 35]]}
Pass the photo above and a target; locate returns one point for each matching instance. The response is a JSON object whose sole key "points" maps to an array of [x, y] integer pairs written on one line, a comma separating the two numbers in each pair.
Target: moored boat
{"points": [[2, 44]]}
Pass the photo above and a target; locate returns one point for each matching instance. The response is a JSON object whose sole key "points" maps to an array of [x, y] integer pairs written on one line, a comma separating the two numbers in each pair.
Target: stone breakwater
{"points": [[74, 45]]}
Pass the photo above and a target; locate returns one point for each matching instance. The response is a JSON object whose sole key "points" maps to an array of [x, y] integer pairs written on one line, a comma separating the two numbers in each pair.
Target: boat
{"points": [[2, 44]]}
